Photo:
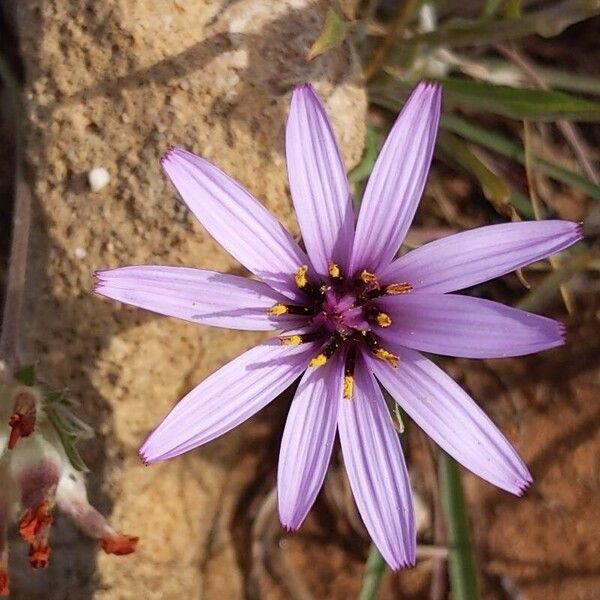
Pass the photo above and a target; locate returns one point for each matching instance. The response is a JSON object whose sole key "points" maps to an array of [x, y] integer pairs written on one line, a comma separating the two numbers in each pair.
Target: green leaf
{"points": [[26, 375], [548, 22], [518, 103], [332, 35], [494, 188], [510, 149], [463, 574], [374, 570], [365, 166], [68, 427]]}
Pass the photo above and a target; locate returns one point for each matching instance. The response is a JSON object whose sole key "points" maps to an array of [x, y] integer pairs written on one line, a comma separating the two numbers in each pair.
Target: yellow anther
{"points": [[367, 277], [388, 357], [398, 288], [348, 386], [318, 361], [383, 319], [335, 271], [291, 340], [277, 310], [300, 276]]}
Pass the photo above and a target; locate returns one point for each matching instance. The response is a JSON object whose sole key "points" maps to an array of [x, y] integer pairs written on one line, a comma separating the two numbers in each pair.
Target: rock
{"points": [[114, 83]]}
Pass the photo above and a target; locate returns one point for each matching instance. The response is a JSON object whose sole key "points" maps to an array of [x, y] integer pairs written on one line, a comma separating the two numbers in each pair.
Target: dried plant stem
{"points": [[388, 41], [568, 130], [539, 213], [13, 305]]}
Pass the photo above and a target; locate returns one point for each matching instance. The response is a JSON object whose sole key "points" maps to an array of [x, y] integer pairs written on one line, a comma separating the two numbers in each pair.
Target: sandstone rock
{"points": [[113, 84]]}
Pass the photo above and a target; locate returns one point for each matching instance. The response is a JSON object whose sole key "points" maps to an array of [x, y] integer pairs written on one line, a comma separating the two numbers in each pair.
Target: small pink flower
{"points": [[353, 316]]}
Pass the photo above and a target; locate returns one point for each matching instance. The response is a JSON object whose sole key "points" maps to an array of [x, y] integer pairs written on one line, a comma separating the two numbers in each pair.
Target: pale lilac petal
{"points": [[308, 441], [377, 471], [451, 418], [227, 398], [470, 257], [455, 325], [396, 184], [195, 295], [318, 182], [242, 225]]}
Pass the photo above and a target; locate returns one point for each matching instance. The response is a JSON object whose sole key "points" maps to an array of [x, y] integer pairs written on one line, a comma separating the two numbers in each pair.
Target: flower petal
{"points": [[470, 257], [236, 220], [449, 416], [195, 295], [227, 398], [377, 471], [455, 325], [318, 182], [308, 441], [396, 184]]}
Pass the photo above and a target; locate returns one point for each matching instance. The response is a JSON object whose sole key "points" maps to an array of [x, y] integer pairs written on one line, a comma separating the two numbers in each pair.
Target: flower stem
{"points": [[11, 318], [374, 571], [463, 578]]}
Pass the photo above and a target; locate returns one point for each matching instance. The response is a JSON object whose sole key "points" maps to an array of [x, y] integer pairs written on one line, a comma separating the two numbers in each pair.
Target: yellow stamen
{"points": [[369, 277], [277, 310], [383, 319], [300, 276], [388, 357], [318, 361], [291, 340], [398, 288], [334, 270], [348, 386]]}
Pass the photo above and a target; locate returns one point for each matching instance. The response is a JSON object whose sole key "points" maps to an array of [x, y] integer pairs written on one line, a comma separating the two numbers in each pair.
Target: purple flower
{"points": [[353, 316]]}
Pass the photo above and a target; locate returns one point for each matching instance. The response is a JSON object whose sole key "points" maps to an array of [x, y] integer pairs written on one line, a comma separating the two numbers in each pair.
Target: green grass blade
{"points": [[374, 570], [518, 103], [514, 150], [494, 188], [461, 562]]}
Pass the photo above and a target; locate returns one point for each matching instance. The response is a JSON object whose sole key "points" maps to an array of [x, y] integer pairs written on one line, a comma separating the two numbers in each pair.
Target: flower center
{"points": [[341, 313]]}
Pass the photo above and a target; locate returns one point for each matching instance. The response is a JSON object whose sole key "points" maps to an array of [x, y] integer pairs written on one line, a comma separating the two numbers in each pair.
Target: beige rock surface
{"points": [[111, 85]]}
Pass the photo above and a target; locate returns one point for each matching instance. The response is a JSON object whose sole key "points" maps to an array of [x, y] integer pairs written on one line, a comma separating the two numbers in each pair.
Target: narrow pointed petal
{"points": [[455, 325], [308, 441], [195, 295], [318, 182], [396, 184], [227, 398], [451, 418], [377, 471], [470, 257], [242, 225]]}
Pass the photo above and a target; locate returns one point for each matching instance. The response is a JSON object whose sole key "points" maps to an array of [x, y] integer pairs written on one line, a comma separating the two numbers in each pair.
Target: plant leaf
{"points": [[26, 375], [518, 103], [514, 150], [494, 188], [548, 22], [332, 35]]}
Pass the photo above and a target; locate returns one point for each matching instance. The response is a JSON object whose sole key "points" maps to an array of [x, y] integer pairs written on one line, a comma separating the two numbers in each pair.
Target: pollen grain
{"points": [[387, 356], [383, 319], [318, 361], [335, 271], [348, 386], [398, 288], [300, 276], [277, 310]]}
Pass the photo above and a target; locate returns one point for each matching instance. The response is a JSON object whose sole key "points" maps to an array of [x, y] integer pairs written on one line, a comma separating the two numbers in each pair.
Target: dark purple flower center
{"points": [[342, 313]]}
